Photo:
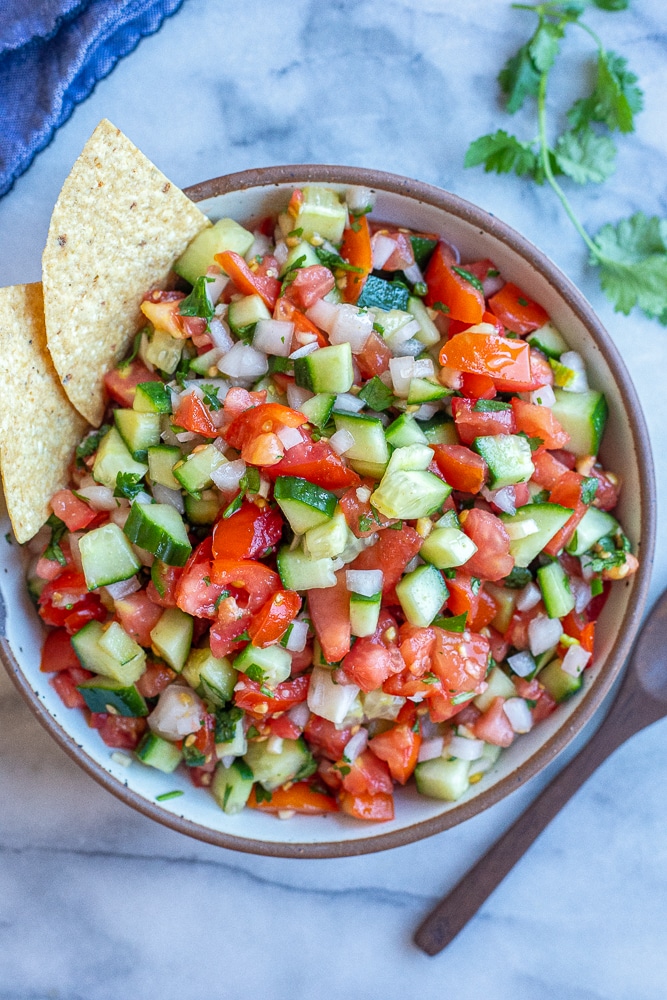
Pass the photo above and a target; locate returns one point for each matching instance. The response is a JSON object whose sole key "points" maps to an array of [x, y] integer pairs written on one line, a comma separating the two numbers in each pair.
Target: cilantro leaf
{"points": [[90, 444], [544, 45], [335, 262], [53, 550], [519, 78], [612, 5], [211, 397], [197, 303], [632, 256], [377, 395], [615, 100], [585, 156], [136, 344], [225, 723], [502, 153], [128, 485], [589, 488], [261, 794], [469, 277]]}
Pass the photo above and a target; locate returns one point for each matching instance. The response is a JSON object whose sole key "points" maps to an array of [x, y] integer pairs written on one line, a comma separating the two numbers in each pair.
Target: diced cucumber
{"points": [[299, 572], [498, 686], [304, 505], [268, 666], [505, 599], [508, 457], [423, 247], [211, 676], [302, 254], [195, 471], [369, 469], [172, 637], [245, 312], [107, 556], [549, 517], [548, 340], [583, 415], [86, 645], [483, 764], [225, 234], [163, 351], [428, 331], [370, 443], [450, 519], [424, 390], [442, 779], [273, 769], [407, 494], [328, 369], [321, 213], [231, 786], [564, 376], [159, 753], [151, 397], [327, 540], [237, 745], [364, 614], [422, 594], [410, 458], [386, 295], [440, 429], [113, 457], [556, 593], [405, 431], [104, 693], [446, 548], [203, 509], [139, 431], [558, 683], [390, 323], [318, 408], [206, 364], [158, 528], [161, 461], [594, 525], [117, 643]]}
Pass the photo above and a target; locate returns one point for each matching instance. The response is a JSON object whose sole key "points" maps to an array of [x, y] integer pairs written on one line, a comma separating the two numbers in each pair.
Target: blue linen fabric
{"points": [[52, 53]]}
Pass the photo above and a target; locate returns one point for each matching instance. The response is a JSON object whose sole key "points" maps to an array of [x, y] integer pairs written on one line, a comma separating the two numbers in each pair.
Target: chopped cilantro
{"points": [[292, 273], [53, 550], [335, 262], [266, 691], [252, 733], [469, 277], [255, 673], [588, 489], [458, 699], [366, 522], [192, 755], [420, 289], [90, 444], [377, 395], [440, 307], [128, 485], [244, 769], [211, 397], [490, 406], [455, 623], [165, 796], [518, 578], [261, 794], [197, 303], [136, 344], [534, 442], [225, 723], [522, 302], [597, 586]]}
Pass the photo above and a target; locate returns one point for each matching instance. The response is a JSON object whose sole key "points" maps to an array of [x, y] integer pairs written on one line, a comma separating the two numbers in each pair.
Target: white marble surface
{"points": [[97, 902]]}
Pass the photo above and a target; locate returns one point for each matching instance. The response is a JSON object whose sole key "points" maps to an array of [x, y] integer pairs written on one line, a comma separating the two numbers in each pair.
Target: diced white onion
{"points": [[323, 314], [414, 274], [544, 396], [228, 760], [492, 284], [356, 745], [184, 436], [302, 352], [543, 633], [299, 714], [465, 749], [296, 396], [410, 348], [348, 402], [178, 713], [259, 246], [228, 476], [99, 497], [522, 529], [573, 360], [162, 494], [402, 371], [430, 749], [215, 288], [450, 377], [402, 334], [298, 637], [366, 582], [414, 563], [123, 588], [519, 714], [426, 411], [575, 660], [281, 253], [504, 498], [289, 436], [587, 570], [273, 336], [120, 515], [351, 326], [264, 487], [341, 441], [522, 663], [220, 335], [331, 701], [424, 368], [274, 745], [528, 597], [359, 199], [243, 361], [382, 248], [582, 593], [363, 494]]}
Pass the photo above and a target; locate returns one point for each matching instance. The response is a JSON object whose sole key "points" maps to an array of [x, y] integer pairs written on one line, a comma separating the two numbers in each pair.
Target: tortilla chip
{"points": [[117, 227], [39, 427]]}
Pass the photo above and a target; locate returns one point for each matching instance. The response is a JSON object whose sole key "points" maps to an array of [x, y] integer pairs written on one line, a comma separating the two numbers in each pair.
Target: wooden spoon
{"points": [[641, 700]]}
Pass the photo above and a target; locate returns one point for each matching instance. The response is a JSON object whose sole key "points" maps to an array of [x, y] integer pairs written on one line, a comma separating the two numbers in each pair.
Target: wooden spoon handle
{"points": [[453, 912]]}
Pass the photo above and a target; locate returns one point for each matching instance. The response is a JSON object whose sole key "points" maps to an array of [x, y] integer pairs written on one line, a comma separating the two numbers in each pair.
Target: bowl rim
{"points": [[452, 204]]}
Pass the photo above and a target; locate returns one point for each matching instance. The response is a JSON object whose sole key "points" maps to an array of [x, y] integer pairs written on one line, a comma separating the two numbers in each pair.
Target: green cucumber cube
{"points": [[159, 753], [152, 397], [328, 369], [508, 457], [172, 637], [211, 676], [422, 594], [231, 786], [446, 548], [113, 456], [105, 694], [139, 430], [269, 666], [161, 461], [304, 504], [107, 556], [225, 234], [158, 528], [443, 779]]}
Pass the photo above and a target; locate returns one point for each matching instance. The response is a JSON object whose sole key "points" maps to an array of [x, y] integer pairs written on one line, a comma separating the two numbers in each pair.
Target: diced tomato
{"points": [[247, 281], [548, 469], [578, 626], [204, 741], [360, 516], [58, 653], [285, 728], [416, 646], [248, 695], [540, 375], [49, 569], [310, 284], [120, 731], [488, 354], [88, 610], [462, 598], [391, 553], [164, 594], [121, 383], [369, 664], [138, 615], [271, 621], [460, 663], [224, 635], [471, 423], [462, 468], [301, 660], [76, 514], [196, 592], [325, 739], [300, 797], [192, 414], [248, 534], [399, 747], [356, 250], [162, 310], [267, 418], [288, 312], [375, 357], [493, 726], [367, 774], [606, 495], [462, 301], [403, 256], [318, 463], [476, 386], [539, 421], [517, 632], [65, 683], [374, 808], [516, 311], [257, 580], [492, 561], [330, 613], [544, 707], [567, 493], [487, 609], [239, 400], [155, 678], [66, 601]]}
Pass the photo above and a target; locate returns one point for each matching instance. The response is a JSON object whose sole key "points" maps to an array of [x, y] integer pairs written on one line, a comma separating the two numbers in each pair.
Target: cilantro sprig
{"points": [[631, 254]]}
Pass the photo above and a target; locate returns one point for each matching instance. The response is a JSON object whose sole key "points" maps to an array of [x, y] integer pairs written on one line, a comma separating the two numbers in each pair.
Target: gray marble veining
{"points": [[96, 902]]}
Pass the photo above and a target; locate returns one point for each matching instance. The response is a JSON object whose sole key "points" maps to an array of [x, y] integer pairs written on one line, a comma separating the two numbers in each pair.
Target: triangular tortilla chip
{"points": [[39, 427], [117, 227]]}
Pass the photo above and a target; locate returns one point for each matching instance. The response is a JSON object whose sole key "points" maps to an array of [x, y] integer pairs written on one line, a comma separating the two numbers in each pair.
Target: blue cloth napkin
{"points": [[52, 53]]}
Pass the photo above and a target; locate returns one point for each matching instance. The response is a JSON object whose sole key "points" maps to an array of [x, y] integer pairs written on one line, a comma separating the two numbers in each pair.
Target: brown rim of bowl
{"points": [[452, 204]]}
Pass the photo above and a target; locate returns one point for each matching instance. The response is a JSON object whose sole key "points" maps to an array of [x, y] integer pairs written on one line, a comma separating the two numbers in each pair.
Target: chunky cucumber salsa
{"points": [[344, 522]]}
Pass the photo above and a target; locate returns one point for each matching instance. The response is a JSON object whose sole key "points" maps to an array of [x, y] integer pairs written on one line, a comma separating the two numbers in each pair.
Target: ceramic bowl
{"points": [[249, 196]]}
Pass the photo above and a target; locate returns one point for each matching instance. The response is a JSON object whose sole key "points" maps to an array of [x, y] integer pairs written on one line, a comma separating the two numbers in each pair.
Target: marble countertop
{"points": [[97, 902]]}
